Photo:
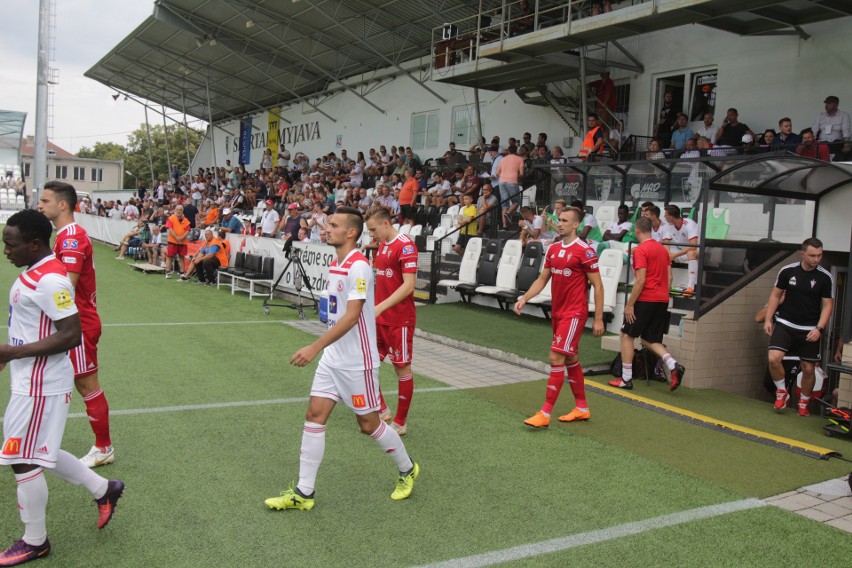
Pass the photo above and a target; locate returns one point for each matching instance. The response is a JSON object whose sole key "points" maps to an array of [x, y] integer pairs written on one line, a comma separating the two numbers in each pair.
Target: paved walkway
{"points": [[470, 366]]}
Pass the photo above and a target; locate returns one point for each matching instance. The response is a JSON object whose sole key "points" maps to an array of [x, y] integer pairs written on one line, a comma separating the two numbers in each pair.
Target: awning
{"points": [[787, 176]]}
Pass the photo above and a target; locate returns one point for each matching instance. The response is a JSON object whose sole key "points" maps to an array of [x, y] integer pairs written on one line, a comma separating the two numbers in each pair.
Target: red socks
{"points": [[554, 385], [578, 386], [98, 410], [406, 391]]}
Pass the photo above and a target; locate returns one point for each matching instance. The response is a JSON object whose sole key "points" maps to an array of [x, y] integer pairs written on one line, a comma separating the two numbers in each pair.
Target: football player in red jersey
{"points": [[571, 263], [395, 264], [73, 247]]}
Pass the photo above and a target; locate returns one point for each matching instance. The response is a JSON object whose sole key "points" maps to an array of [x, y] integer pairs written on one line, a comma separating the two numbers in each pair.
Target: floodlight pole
{"points": [[150, 151], [43, 69]]}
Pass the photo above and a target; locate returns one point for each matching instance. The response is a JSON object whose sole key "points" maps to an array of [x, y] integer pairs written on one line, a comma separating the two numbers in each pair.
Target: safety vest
{"points": [[588, 144], [221, 254]]}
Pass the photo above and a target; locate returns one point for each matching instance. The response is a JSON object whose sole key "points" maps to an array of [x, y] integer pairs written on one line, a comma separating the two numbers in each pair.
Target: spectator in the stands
{"points": [[190, 211], [438, 192], [531, 225], [131, 212], [269, 220], [604, 92], [786, 137], [509, 171], [178, 228], [485, 208], [365, 202], [681, 133], [133, 239], [708, 129], [748, 145], [316, 222], [666, 120], [230, 222], [528, 143], [152, 247], [767, 140], [207, 260], [549, 233], [654, 150], [593, 142], [833, 127], [470, 183], [542, 140], [810, 148], [556, 156], [599, 6], [732, 130], [467, 223], [690, 149], [496, 158], [290, 224]]}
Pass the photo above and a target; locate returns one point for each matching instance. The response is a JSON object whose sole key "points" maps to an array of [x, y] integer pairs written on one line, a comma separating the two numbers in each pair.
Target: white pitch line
{"points": [[214, 405], [582, 539], [163, 324]]}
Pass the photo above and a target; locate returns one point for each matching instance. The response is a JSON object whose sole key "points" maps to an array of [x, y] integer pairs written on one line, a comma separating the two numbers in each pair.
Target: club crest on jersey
{"points": [[813, 283], [15, 297], [63, 300], [69, 244], [340, 286], [408, 249], [793, 281]]}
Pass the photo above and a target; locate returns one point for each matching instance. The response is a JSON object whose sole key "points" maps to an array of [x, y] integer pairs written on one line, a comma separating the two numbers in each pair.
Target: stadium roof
{"points": [[786, 176], [254, 55], [11, 130]]}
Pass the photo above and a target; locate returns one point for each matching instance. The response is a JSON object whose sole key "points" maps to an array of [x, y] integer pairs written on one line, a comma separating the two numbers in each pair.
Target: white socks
{"points": [[74, 472], [692, 273], [32, 505], [392, 444], [313, 448]]}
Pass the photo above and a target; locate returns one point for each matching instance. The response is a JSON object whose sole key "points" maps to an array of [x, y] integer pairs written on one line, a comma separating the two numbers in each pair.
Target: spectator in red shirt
{"points": [[810, 148], [604, 91]]}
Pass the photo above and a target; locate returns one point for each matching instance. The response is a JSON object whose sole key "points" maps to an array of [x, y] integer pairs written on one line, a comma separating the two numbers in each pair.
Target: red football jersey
{"points": [[393, 259], [73, 247], [568, 266]]}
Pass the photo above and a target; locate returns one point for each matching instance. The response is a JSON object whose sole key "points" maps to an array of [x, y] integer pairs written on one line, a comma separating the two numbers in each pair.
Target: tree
{"points": [[136, 157], [103, 151]]}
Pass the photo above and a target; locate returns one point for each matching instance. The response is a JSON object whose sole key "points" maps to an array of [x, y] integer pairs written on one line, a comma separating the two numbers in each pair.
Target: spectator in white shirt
{"points": [[269, 220], [708, 129], [833, 127], [531, 225], [619, 228]]}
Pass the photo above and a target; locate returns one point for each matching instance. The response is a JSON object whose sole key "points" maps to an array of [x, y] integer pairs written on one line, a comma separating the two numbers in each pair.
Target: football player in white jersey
{"points": [[682, 231], [349, 367], [44, 326]]}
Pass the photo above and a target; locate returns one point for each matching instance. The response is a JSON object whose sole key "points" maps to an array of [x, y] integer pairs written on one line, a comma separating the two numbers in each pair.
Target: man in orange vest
{"points": [[209, 258], [594, 140], [178, 229]]}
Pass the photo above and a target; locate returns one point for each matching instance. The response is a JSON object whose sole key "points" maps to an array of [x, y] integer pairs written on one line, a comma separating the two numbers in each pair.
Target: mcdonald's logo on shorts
{"points": [[12, 447], [358, 401]]}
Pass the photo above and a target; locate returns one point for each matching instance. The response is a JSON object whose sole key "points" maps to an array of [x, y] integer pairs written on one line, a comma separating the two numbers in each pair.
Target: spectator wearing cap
{"points": [[832, 127], [748, 145], [289, 225], [269, 220], [230, 223]]}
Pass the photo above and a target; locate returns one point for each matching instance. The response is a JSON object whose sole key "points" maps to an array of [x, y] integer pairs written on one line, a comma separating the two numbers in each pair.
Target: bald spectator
{"points": [[509, 171]]}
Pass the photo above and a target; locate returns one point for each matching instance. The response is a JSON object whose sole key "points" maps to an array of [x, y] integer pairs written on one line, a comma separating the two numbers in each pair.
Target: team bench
{"points": [[248, 271]]}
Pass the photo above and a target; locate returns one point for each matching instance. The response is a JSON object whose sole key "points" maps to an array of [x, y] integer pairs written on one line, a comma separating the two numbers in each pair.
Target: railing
{"points": [[459, 41]]}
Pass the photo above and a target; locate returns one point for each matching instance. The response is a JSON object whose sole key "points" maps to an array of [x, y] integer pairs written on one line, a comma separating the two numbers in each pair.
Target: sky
{"points": [[86, 30]]}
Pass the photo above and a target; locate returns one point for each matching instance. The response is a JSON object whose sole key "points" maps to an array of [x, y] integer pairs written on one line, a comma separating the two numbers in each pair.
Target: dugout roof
{"points": [[786, 176], [12, 132]]}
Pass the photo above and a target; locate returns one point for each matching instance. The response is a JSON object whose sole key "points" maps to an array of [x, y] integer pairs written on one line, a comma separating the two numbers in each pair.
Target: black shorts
{"points": [[462, 240], [794, 342], [406, 212], [652, 321]]}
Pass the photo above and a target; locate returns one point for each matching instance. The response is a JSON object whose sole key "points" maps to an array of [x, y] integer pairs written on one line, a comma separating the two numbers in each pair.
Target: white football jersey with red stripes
{"points": [[352, 279], [41, 295]]}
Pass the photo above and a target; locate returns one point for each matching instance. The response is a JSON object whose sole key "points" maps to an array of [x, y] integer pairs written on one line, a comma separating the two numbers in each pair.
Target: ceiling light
{"points": [[213, 41], [250, 24], [199, 42]]}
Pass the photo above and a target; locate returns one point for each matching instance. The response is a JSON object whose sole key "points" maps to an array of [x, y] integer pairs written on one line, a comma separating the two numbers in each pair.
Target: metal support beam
{"points": [[166, 138], [638, 67], [378, 53], [212, 138], [150, 150], [554, 104], [185, 132]]}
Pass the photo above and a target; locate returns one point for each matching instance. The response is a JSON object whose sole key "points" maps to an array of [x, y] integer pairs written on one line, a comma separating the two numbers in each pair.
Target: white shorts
{"points": [[359, 390], [33, 428]]}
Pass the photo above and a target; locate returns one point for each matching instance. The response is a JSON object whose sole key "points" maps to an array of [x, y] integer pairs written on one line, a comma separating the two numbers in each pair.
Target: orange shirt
{"points": [[212, 215], [179, 226], [408, 193], [221, 254]]}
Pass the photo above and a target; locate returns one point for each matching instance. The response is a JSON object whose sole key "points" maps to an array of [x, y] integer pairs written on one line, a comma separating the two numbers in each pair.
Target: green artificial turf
{"points": [[527, 336], [740, 465], [196, 479]]}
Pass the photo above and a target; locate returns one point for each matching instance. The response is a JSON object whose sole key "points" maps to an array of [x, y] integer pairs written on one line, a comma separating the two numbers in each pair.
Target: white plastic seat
{"points": [[396, 226], [605, 216], [436, 234], [469, 264], [543, 296], [405, 229], [448, 221], [19, 201], [507, 270], [415, 231], [610, 264]]}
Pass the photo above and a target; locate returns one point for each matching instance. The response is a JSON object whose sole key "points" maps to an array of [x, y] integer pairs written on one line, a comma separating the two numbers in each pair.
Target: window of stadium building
{"points": [[79, 173], [61, 172], [424, 130], [97, 174]]}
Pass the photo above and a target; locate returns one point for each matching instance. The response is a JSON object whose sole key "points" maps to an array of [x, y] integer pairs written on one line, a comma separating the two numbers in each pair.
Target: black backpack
{"points": [[646, 366]]}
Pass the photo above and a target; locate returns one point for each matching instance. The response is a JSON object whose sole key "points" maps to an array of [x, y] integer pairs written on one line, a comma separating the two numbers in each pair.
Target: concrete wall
{"points": [[844, 398], [725, 349]]}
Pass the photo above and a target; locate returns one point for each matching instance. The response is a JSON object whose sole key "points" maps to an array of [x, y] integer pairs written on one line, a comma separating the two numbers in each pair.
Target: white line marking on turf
{"points": [[619, 531], [163, 324], [214, 405]]}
